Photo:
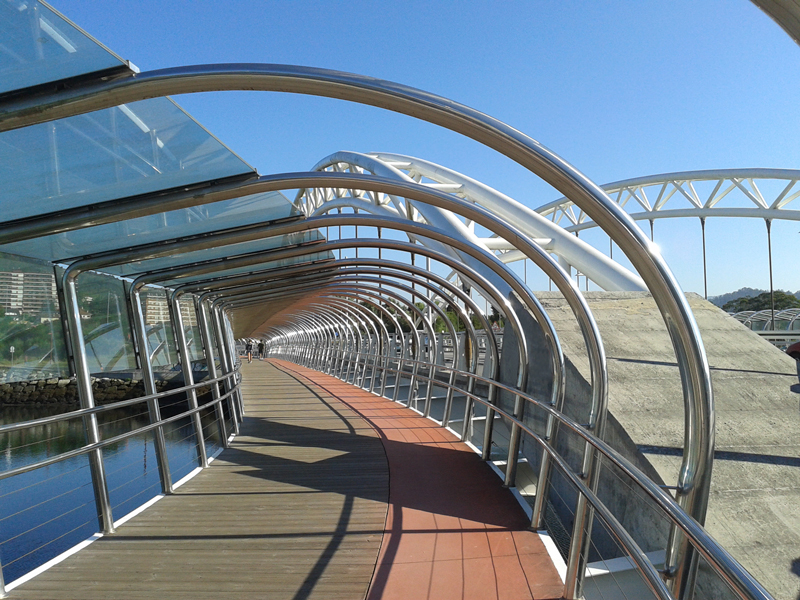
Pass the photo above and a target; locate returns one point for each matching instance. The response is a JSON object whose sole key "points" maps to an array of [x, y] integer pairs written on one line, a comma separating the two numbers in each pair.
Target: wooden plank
{"points": [[296, 508]]}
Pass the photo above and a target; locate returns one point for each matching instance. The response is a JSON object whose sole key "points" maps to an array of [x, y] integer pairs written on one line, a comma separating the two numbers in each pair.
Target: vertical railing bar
{"points": [[148, 377], [86, 396], [188, 377], [205, 334]]}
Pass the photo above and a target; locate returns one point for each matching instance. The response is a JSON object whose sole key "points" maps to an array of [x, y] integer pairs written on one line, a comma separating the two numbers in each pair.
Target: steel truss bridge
{"points": [[199, 227]]}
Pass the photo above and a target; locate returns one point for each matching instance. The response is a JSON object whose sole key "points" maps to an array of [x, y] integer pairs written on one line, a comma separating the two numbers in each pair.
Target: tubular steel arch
{"points": [[605, 272], [681, 188], [92, 95]]}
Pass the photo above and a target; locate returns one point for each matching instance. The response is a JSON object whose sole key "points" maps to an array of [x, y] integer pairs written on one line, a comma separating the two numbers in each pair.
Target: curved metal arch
{"points": [[379, 293], [519, 288], [680, 186], [607, 273], [239, 284], [418, 346], [495, 294], [359, 279], [491, 132], [358, 348], [478, 214], [413, 331], [493, 372], [423, 278], [488, 260], [358, 275], [382, 339]]}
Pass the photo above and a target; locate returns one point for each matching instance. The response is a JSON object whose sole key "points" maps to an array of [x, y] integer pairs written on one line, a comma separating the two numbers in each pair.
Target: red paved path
{"points": [[452, 531]]}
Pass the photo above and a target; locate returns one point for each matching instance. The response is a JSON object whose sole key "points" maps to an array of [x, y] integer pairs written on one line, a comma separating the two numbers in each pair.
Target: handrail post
{"points": [[86, 396], [514, 440], [148, 377], [186, 368], [3, 592], [488, 425], [205, 333], [227, 365], [228, 344]]}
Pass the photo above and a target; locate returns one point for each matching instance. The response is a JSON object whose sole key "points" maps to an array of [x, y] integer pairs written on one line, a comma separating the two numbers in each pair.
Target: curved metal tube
{"points": [[696, 468], [428, 325]]}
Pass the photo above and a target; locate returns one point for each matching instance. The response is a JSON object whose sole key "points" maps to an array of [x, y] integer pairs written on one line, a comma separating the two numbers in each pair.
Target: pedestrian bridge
{"points": [[390, 446]]}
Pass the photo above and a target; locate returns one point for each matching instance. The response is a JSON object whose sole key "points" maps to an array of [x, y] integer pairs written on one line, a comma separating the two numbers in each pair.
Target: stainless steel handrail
{"points": [[73, 414], [112, 440], [732, 573]]}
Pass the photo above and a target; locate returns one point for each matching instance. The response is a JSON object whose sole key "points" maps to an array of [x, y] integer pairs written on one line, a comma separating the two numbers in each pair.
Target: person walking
{"points": [[261, 350], [249, 349]]}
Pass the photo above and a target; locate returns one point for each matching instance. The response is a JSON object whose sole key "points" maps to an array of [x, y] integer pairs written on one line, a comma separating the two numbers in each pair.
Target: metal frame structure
{"points": [[320, 320], [632, 194]]}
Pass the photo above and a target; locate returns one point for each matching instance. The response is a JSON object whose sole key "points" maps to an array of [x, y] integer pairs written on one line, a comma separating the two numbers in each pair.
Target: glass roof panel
{"points": [[38, 45], [136, 268], [113, 153], [275, 264], [226, 214]]}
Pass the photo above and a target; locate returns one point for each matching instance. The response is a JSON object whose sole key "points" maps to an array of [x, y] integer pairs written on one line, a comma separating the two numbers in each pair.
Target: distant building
{"points": [[156, 311], [28, 293]]}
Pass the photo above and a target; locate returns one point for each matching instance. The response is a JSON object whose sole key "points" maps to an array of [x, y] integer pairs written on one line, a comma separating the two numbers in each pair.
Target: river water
{"points": [[49, 510]]}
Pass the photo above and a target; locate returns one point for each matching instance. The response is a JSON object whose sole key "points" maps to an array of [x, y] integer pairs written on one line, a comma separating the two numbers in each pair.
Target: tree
{"points": [[783, 300]]}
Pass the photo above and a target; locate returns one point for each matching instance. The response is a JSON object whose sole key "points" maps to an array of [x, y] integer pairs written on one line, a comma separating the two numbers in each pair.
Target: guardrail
{"points": [[720, 575], [231, 398]]}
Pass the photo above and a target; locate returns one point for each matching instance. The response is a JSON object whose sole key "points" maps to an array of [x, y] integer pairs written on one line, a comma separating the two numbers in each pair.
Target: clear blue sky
{"points": [[619, 89]]}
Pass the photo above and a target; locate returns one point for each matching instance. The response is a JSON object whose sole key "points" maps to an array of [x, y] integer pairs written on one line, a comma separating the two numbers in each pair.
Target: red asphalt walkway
{"points": [[452, 531]]}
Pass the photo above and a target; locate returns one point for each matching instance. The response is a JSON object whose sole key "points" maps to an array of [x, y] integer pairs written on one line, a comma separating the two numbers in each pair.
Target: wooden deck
{"points": [[299, 507]]}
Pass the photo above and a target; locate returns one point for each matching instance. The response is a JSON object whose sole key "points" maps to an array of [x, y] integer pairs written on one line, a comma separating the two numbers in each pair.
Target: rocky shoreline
{"points": [[64, 390]]}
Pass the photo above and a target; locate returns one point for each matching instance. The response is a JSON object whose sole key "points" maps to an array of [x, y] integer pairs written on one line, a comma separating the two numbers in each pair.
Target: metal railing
{"points": [[231, 398], [720, 574]]}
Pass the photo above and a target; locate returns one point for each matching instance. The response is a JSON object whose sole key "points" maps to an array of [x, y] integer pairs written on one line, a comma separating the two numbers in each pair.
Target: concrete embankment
{"points": [[754, 508]]}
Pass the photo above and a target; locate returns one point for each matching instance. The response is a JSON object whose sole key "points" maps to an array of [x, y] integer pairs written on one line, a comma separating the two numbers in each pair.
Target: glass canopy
{"points": [[121, 153], [228, 214], [37, 45], [135, 268], [109, 154], [312, 257]]}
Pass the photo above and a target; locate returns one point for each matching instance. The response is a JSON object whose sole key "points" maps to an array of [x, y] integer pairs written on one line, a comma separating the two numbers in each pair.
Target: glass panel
{"points": [[192, 331], [155, 228], [113, 153], [31, 336], [44, 513], [189, 258], [160, 338], [317, 256], [106, 329], [38, 45]]}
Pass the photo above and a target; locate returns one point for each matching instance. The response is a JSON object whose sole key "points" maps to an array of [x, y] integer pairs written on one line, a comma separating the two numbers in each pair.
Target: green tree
{"points": [[783, 300]]}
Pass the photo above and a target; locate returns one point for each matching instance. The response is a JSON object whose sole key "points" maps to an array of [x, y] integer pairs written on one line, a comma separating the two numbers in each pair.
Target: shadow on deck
{"points": [[328, 492]]}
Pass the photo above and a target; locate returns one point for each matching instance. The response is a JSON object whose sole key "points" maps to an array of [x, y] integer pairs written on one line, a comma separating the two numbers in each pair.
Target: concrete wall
{"points": [[636, 514], [754, 508]]}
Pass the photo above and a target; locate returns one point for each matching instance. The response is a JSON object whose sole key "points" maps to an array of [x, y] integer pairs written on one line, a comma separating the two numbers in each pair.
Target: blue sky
{"points": [[619, 89]]}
